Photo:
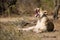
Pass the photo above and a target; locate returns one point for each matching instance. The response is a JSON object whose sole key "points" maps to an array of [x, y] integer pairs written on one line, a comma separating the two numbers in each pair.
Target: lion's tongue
{"points": [[36, 14]]}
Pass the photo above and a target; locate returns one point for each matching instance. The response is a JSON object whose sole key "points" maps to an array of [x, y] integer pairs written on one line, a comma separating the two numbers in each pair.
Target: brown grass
{"points": [[9, 30]]}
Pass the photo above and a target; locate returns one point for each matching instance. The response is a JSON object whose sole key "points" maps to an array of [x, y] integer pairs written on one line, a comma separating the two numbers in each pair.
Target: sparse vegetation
{"points": [[23, 7], [15, 14]]}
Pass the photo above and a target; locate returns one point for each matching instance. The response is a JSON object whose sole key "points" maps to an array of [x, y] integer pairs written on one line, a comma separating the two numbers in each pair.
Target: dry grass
{"points": [[9, 30]]}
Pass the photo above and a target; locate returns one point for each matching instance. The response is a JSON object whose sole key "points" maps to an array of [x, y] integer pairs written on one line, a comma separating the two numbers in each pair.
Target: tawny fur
{"points": [[43, 23]]}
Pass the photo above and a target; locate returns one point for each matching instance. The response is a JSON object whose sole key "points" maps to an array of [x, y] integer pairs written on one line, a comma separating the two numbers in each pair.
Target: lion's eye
{"points": [[45, 12]]}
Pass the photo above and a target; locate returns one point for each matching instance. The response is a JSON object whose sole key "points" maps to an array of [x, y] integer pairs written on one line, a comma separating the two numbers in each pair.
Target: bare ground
{"points": [[55, 35]]}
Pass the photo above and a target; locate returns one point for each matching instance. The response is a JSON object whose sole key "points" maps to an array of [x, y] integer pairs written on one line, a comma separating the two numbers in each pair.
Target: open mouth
{"points": [[36, 15]]}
